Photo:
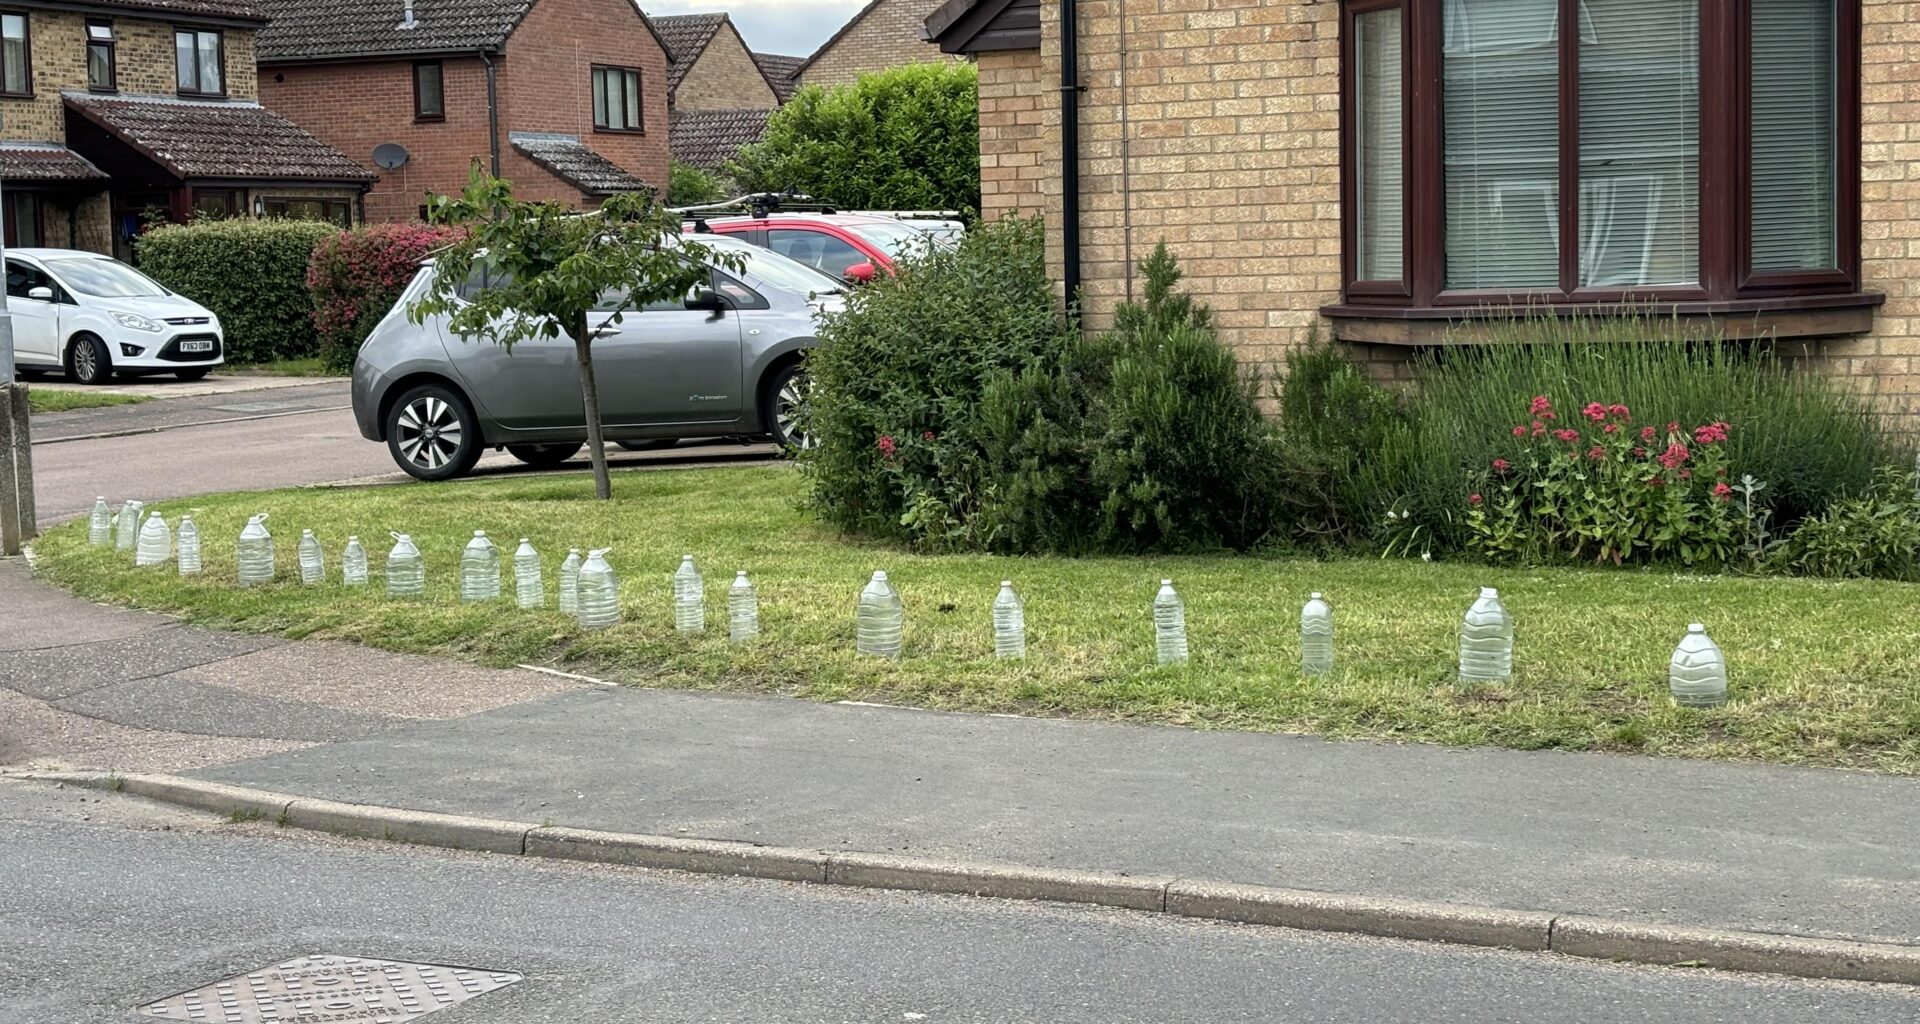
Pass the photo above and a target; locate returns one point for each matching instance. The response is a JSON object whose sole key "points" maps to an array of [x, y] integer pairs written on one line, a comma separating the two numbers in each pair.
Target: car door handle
{"points": [[605, 332]]}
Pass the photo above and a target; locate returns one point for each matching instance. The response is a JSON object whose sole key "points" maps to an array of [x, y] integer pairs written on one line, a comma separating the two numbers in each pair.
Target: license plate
{"points": [[199, 345]]}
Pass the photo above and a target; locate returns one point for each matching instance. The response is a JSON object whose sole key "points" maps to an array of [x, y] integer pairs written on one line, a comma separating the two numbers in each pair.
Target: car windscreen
{"points": [[771, 267], [898, 241], [105, 279]]}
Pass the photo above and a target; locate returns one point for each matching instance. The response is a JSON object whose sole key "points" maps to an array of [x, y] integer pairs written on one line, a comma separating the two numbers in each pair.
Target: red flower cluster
{"points": [[1596, 453], [1722, 491], [1648, 433], [886, 446], [1541, 406], [927, 436], [1475, 499], [1712, 433], [1501, 465], [1675, 454], [1567, 434]]}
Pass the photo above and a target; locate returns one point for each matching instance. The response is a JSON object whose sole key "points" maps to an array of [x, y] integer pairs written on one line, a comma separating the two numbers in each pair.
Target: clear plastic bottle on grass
{"points": [[189, 547], [689, 597], [1697, 676], [313, 561], [100, 523], [1316, 637], [480, 569], [743, 609], [126, 526], [599, 591], [1009, 623], [880, 620], [353, 564], [253, 552], [1486, 640], [570, 583], [1169, 626], [529, 589], [156, 541], [406, 570]]}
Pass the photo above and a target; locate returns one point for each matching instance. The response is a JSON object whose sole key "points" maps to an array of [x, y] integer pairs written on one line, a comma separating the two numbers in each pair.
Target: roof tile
{"points": [[302, 29], [210, 139], [779, 70], [710, 138], [686, 36], [40, 161], [576, 163]]}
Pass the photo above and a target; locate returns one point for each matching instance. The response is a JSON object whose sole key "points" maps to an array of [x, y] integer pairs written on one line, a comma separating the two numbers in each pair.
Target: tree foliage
{"points": [[907, 138], [688, 185], [550, 270], [356, 276]]}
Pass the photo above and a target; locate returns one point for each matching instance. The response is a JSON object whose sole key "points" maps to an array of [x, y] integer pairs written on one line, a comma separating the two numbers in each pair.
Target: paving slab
{"points": [[180, 408], [1757, 847], [56, 673], [180, 705], [34, 734], [38, 616], [347, 677]]}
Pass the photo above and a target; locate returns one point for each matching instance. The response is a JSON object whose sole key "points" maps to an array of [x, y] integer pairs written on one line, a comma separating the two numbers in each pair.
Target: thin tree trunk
{"points": [[590, 398]]}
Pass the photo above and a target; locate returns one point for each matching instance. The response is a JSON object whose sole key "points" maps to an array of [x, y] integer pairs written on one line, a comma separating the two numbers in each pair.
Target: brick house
{"points": [[112, 114], [719, 93], [565, 98], [883, 34], [1393, 172]]}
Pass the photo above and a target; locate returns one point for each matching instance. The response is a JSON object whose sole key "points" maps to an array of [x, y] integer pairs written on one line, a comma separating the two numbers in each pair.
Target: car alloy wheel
{"points": [[789, 405], [429, 432], [88, 362]]}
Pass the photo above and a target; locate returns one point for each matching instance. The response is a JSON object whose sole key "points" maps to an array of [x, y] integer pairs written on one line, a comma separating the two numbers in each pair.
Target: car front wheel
{"points": [[786, 407], [432, 434], [88, 361]]}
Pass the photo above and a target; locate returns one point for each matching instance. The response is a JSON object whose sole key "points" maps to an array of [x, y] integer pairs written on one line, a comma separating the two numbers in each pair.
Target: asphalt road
{"points": [[244, 441], [110, 903]]}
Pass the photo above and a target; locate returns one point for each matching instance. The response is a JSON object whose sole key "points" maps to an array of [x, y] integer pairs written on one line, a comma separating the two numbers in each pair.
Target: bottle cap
{"points": [[1006, 583], [740, 574], [880, 574], [1315, 596], [479, 533], [686, 558], [1166, 583], [1489, 592], [1696, 628]]}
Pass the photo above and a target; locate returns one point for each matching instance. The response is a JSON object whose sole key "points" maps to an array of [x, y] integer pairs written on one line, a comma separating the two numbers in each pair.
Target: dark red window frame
{"points": [[420, 111], [1728, 282]]}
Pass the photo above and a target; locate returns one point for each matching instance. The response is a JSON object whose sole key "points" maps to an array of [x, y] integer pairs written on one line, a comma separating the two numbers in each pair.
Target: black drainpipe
{"points": [[1070, 151], [493, 112]]}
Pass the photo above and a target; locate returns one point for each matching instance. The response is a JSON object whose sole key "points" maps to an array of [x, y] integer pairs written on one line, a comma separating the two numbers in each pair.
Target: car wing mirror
{"points": [[41, 292], [860, 272], [707, 299]]}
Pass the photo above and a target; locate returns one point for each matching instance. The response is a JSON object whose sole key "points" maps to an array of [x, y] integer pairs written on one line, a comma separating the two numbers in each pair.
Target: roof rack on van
{"points": [[756, 204]]}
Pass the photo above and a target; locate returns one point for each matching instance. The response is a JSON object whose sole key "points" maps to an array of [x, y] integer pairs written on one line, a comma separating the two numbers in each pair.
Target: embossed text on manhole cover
{"points": [[325, 989]]}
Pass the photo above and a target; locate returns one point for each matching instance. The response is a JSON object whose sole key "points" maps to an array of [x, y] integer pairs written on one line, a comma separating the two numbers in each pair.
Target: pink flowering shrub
{"points": [[355, 277], [1606, 490]]}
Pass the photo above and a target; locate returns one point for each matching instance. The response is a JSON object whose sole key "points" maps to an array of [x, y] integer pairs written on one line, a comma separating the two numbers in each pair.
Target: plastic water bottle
{"points": [[127, 526], [313, 561], [743, 609], [156, 541], [880, 619], [189, 547], [1316, 637], [599, 592], [689, 597], [570, 583], [1486, 640], [353, 564], [528, 588], [254, 552], [100, 523], [480, 569], [1698, 674], [406, 570], [1009, 623], [1169, 625]]}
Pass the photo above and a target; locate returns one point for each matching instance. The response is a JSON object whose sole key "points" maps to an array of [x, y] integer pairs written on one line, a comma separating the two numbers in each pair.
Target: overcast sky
{"points": [[793, 27]]}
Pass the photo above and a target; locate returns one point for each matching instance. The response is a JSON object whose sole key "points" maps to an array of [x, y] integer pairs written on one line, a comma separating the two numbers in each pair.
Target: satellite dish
{"points": [[390, 156]]}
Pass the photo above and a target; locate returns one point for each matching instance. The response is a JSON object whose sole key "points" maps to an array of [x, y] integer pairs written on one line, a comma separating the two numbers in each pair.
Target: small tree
{"points": [[550, 266], [688, 185]]}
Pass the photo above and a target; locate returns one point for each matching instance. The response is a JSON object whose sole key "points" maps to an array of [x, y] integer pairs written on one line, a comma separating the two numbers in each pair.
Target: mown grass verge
{"points": [[1822, 672], [61, 400]]}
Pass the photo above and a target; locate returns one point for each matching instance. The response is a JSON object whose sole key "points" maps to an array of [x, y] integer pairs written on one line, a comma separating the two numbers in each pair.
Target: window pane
{"points": [[210, 62], [1500, 88], [428, 101], [633, 99], [1640, 143], [99, 67], [13, 53], [599, 98], [26, 221], [185, 71], [1793, 148], [1376, 158]]}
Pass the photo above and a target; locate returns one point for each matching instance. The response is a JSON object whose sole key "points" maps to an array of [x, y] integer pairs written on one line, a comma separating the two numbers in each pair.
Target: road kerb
{"points": [[675, 853], [1001, 881], [1367, 915], [1636, 942], [1568, 934]]}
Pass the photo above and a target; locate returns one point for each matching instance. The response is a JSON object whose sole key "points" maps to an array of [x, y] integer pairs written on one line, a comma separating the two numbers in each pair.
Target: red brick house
{"points": [[565, 98], [116, 113]]}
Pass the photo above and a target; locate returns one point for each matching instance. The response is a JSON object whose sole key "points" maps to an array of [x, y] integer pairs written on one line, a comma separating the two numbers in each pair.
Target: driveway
{"points": [[233, 441]]}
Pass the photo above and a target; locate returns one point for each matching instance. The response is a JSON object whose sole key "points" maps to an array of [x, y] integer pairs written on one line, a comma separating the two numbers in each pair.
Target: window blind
{"points": [[1793, 128], [1377, 103], [1500, 94], [1640, 143]]}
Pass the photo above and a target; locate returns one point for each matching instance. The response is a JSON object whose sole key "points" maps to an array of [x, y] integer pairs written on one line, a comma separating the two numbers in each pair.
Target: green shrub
{"points": [[356, 276], [688, 185], [1875, 534], [252, 273], [1814, 441], [907, 138], [899, 377], [1354, 434]]}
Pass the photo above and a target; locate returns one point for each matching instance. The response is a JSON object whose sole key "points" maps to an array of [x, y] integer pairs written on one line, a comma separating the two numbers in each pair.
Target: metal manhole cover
{"points": [[325, 989]]}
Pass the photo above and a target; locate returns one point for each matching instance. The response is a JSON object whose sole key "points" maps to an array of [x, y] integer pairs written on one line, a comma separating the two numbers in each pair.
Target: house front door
{"points": [[132, 211]]}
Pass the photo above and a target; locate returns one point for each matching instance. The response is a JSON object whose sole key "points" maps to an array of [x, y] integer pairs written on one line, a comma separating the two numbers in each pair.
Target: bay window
{"points": [[1507, 154]]}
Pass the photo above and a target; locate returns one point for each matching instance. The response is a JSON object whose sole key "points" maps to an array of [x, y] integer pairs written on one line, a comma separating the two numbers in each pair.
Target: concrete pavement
{"points": [[111, 904], [219, 407], [1760, 848]]}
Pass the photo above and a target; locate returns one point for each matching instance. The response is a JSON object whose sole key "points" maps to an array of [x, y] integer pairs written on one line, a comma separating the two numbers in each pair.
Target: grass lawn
{"points": [[61, 400], [1822, 673], [309, 367]]}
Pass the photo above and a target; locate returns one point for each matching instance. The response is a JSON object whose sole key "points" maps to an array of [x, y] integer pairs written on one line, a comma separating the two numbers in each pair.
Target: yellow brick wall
{"points": [[887, 37], [144, 62], [1232, 126], [724, 78]]}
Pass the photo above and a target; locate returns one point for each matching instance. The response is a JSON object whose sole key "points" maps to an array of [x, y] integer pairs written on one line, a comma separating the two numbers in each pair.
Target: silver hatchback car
{"points": [[726, 362]]}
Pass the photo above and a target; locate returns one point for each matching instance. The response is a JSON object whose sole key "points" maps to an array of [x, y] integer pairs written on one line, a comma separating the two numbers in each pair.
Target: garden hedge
{"points": [[355, 277], [252, 273]]}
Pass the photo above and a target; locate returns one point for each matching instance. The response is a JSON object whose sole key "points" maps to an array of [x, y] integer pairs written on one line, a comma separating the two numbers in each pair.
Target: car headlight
{"points": [[137, 322]]}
